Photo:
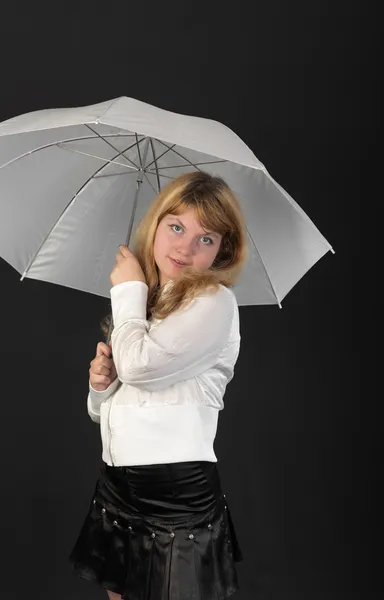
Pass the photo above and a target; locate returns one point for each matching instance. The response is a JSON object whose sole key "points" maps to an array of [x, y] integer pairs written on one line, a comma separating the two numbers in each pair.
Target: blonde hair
{"points": [[217, 209]]}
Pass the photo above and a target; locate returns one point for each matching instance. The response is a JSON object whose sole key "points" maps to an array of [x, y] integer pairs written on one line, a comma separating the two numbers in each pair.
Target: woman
{"points": [[159, 526]]}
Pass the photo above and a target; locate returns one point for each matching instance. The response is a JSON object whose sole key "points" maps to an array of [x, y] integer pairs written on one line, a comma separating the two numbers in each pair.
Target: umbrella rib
{"points": [[213, 162], [264, 267], [105, 160], [76, 139], [109, 144], [165, 152], [298, 209], [159, 174], [114, 174], [145, 175], [178, 153], [157, 170], [138, 150], [62, 214]]}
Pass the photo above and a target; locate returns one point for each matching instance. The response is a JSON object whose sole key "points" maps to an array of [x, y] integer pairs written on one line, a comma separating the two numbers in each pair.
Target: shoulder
{"points": [[220, 299], [222, 293]]}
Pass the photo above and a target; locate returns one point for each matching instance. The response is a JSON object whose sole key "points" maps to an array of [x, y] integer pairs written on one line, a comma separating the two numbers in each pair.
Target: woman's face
{"points": [[183, 239]]}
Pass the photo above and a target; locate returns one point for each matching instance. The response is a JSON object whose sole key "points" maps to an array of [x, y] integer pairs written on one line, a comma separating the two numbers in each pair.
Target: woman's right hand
{"points": [[102, 371]]}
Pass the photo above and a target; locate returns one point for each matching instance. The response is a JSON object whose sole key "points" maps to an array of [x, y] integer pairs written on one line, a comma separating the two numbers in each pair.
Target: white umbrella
{"points": [[75, 182]]}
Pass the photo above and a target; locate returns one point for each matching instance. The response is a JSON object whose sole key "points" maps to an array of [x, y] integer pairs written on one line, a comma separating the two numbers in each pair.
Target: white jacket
{"points": [[172, 374]]}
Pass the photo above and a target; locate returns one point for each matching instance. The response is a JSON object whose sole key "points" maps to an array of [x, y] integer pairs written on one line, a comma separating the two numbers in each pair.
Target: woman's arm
{"points": [[181, 346], [96, 398]]}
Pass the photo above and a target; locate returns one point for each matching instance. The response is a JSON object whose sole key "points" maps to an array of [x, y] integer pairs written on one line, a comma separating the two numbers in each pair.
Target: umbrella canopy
{"points": [[75, 183]]}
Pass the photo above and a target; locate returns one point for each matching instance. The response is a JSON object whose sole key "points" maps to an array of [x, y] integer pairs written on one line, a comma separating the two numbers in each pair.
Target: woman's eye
{"points": [[209, 241], [180, 229]]}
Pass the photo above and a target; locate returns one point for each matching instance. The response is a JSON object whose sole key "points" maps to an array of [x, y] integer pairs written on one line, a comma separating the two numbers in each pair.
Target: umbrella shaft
{"points": [[138, 185]]}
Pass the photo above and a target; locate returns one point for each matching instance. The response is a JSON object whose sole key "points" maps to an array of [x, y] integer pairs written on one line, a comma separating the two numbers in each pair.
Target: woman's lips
{"points": [[176, 263]]}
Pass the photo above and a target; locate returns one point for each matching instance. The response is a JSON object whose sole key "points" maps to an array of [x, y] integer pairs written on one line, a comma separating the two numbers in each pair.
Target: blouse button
{"points": [[191, 536], [209, 526], [153, 534], [172, 535], [103, 510], [115, 522]]}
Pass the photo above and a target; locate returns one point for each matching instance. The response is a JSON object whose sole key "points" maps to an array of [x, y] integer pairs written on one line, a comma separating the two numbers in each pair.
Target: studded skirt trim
{"points": [[159, 532]]}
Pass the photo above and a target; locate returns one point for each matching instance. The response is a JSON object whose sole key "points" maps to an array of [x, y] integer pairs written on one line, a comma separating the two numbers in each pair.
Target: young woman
{"points": [[159, 525]]}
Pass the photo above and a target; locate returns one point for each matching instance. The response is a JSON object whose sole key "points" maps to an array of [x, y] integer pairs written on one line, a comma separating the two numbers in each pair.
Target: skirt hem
{"points": [[82, 572]]}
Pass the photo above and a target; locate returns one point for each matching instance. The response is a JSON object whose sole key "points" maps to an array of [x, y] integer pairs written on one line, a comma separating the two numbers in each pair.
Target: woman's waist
{"points": [[165, 490], [156, 434], [166, 418]]}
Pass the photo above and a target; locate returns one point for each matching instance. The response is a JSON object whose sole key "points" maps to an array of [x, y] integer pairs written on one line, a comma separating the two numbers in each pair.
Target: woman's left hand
{"points": [[127, 267]]}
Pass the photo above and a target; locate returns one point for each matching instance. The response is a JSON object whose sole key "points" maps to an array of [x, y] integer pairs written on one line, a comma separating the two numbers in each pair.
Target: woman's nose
{"points": [[186, 247]]}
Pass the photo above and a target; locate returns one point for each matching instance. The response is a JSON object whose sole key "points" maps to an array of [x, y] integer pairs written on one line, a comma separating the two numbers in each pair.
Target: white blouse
{"points": [[172, 374]]}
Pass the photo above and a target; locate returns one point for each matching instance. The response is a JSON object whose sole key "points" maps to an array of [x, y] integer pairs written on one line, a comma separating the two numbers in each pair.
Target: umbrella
{"points": [[75, 182]]}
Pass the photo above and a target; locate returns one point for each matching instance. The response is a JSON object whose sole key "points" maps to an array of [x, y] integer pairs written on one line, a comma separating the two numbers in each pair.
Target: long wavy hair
{"points": [[217, 209]]}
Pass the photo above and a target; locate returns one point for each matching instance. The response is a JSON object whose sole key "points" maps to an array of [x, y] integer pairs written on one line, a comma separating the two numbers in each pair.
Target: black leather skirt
{"points": [[159, 532]]}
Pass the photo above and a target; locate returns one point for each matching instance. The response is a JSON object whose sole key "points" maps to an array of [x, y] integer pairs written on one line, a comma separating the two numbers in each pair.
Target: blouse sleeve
{"points": [[96, 398], [183, 345]]}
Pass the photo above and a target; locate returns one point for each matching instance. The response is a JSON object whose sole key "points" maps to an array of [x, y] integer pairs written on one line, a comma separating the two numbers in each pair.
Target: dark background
{"points": [[298, 440]]}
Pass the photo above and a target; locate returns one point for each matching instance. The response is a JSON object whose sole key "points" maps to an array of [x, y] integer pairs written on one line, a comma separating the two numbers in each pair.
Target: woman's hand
{"points": [[127, 267], [102, 371]]}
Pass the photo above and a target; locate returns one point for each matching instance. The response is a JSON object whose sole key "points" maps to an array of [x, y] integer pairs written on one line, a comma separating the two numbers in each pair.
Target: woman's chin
{"points": [[165, 277]]}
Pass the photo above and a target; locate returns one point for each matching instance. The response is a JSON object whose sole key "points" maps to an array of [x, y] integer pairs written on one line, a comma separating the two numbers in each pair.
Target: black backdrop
{"points": [[298, 82]]}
